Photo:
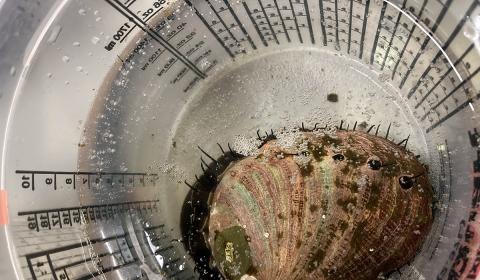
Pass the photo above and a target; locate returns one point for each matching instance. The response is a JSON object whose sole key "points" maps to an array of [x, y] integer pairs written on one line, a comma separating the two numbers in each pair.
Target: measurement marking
{"points": [[35, 238], [449, 115], [128, 3], [74, 246], [350, 26], [175, 34], [444, 153], [176, 260], [59, 219], [179, 76], [337, 40], [62, 249], [268, 21], [422, 8], [90, 259], [54, 181], [161, 250], [103, 212], [169, 66], [281, 20], [399, 16], [379, 27], [223, 23], [155, 59], [295, 21], [152, 15], [74, 181], [222, 43], [29, 182], [81, 173], [260, 34], [232, 12], [322, 22], [426, 41], [82, 261], [452, 92], [49, 260], [309, 21], [424, 97], [47, 253], [364, 27], [450, 39], [65, 272], [102, 271], [117, 5], [30, 267], [126, 34]]}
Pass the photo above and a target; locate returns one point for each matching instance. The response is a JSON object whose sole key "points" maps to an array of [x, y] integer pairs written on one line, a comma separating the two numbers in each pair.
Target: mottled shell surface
{"points": [[328, 207]]}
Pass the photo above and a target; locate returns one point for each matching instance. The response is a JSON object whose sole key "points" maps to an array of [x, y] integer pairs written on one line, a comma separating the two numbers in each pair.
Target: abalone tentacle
{"points": [[195, 212], [317, 216]]}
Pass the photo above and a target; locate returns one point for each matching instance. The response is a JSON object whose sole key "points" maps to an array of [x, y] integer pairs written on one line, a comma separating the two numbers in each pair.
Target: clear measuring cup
{"points": [[103, 104]]}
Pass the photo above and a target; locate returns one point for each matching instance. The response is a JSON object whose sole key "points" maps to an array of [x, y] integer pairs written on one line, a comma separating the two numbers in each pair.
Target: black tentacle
{"points": [[370, 129], [376, 131], [388, 130]]}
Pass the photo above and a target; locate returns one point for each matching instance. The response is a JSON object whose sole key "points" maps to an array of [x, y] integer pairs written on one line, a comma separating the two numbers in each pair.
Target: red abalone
{"points": [[344, 205]]}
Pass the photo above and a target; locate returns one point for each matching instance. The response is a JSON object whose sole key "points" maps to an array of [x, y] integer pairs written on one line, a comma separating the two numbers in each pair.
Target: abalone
{"points": [[316, 205]]}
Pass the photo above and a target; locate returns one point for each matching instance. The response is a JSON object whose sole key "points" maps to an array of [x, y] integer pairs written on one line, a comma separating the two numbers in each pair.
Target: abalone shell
{"points": [[345, 205]]}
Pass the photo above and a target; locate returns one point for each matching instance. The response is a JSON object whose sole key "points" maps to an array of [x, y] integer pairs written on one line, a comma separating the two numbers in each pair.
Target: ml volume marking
{"points": [[48, 219]]}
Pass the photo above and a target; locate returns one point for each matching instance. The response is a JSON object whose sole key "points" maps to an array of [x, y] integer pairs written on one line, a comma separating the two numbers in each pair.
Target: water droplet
{"points": [[13, 70], [65, 59], [94, 40], [54, 34], [82, 12], [76, 44]]}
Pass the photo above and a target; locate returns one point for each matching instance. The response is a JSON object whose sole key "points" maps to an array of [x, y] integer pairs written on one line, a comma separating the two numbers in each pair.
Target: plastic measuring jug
{"points": [[103, 104]]}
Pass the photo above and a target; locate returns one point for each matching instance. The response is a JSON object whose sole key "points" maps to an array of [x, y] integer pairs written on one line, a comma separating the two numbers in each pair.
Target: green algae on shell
{"points": [[328, 207]]}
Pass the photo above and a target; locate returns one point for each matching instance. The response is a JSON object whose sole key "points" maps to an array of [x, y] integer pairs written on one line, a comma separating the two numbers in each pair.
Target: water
{"points": [[159, 131]]}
